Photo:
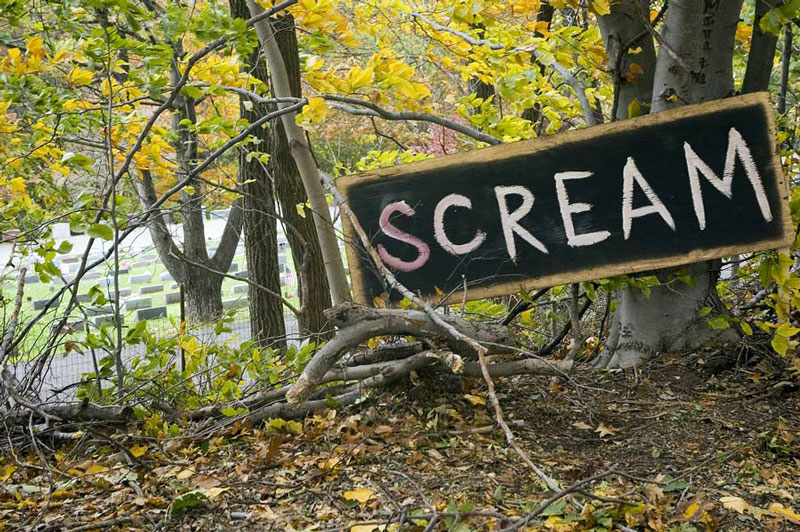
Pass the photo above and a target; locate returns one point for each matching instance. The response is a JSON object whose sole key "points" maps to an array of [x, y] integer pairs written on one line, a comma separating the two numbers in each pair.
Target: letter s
{"points": [[393, 232]]}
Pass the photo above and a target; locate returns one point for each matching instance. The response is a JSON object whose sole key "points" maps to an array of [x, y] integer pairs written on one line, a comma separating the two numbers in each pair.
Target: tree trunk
{"points": [[260, 234], [302, 235], [203, 291], [762, 53], [698, 34], [624, 29], [304, 159]]}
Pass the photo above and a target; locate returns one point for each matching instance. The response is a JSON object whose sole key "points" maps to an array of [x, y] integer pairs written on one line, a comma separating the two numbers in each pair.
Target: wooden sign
{"points": [[694, 183]]}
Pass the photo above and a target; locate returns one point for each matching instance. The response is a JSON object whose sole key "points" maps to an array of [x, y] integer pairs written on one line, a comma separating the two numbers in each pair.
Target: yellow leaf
{"points": [[367, 528], [138, 450], [80, 77], [362, 495], [474, 399], [581, 425], [94, 469], [737, 504], [213, 493], [17, 185], [183, 475], [8, 470], [778, 510], [690, 510], [601, 7], [358, 78]]}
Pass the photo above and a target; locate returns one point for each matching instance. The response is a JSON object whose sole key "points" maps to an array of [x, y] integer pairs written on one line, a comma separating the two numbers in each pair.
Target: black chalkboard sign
{"points": [[694, 183]]}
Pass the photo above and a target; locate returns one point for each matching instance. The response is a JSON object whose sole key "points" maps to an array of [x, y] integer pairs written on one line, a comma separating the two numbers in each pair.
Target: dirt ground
{"points": [[688, 443]]}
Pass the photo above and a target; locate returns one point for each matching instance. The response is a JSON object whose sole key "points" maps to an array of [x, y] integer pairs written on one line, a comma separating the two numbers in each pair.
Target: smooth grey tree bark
{"points": [[694, 64], [304, 159], [623, 30]]}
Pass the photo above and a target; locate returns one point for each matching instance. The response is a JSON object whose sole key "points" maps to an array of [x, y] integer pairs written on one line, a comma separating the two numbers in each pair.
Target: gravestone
{"points": [[149, 258], [135, 303], [239, 289], [141, 278], [244, 274], [91, 276], [97, 311], [240, 302], [106, 318], [40, 304], [170, 298], [151, 313], [123, 292], [233, 267], [31, 279], [140, 264], [70, 259], [151, 289], [165, 276], [61, 231]]}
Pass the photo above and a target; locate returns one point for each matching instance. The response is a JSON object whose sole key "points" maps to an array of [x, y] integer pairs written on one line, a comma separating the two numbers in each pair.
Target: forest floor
{"points": [[690, 446]]}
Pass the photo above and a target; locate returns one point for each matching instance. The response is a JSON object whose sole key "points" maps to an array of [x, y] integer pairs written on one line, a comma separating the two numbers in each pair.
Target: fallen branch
{"points": [[454, 334], [358, 324]]}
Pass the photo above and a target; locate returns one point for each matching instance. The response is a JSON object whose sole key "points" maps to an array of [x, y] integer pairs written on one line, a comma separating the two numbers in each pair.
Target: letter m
{"points": [[737, 148]]}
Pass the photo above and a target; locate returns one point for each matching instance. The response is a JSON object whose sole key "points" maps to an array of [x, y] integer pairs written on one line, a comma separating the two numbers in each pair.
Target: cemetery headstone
{"points": [[151, 313], [135, 303], [170, 298], [141, 278], [151, 289]]}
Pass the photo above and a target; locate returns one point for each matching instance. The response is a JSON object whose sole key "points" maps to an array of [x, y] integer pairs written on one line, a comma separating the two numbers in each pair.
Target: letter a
{"points": [[630, 174]]}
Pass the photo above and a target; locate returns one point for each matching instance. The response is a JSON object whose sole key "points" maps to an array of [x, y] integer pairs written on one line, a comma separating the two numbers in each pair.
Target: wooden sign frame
{"points": [[350, 185]]}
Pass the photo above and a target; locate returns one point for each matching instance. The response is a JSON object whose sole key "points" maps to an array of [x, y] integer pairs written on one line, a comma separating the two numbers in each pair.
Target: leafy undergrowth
{"points": [[689, 450]]}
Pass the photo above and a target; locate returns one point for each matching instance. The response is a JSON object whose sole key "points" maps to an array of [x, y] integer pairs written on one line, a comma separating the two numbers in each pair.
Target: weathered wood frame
{"points": [[504, 151]]}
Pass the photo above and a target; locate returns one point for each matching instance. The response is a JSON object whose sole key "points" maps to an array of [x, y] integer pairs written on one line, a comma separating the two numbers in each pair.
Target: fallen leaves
{"points": [[360, 495], [775, 509], [605, 430]]}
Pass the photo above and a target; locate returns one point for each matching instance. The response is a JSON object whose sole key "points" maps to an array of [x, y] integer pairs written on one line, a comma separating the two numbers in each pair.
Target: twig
{"points": [[438, 320]]}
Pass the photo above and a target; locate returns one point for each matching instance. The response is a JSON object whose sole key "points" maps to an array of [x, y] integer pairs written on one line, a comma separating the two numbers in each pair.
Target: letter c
{"points": [[454, 200]]}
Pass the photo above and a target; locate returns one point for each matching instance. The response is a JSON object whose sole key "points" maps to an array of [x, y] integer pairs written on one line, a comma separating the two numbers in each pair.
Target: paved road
{"points": [[66, 371]]}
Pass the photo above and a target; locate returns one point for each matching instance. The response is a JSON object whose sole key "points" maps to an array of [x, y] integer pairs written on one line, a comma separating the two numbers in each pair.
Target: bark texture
{"points": [[695, 64], [301, 233], [260, 224], [303, 158], [190, 265], [762, 53], [624, 29]]}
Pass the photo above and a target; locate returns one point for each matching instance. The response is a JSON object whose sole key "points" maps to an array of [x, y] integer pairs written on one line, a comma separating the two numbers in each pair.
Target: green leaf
{"points": [[187, 501], [746, 328], [634, 109], [101, 231], [192, 92], [64, 247], [719, 322], [780, 344], [555, 509], [705, 311]]}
